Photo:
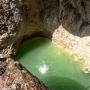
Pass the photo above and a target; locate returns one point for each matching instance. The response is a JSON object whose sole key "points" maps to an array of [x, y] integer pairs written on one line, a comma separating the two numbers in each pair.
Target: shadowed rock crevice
{"points": [[48, 15]]}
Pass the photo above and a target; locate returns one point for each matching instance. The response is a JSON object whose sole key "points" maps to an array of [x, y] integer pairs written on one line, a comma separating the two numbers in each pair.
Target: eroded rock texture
{"points": [[9, 19], [39, 16], [75, 16], [16, 77], [74, 31], [67, 21], [12, 75]]}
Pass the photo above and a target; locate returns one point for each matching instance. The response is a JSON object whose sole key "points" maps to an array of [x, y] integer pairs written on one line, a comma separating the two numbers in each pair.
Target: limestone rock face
{"points": [[66, 21], [9, 20], [16, 77], [12, 75], [48, 15], [74, 30], [75, 16], [39, 16]]}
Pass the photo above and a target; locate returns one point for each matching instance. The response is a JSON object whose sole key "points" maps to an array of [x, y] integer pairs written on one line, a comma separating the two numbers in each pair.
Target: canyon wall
{"points": [[66, 21]]}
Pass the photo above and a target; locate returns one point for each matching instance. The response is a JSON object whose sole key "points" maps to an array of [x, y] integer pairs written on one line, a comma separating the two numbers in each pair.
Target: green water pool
{"points": [[57, 69]]}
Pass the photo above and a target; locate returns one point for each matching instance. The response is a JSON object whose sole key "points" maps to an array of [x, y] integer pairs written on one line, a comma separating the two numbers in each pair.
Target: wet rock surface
{"points": [[12, 75], [9, 19], [17, 78], [67, 21], [74, 31]]}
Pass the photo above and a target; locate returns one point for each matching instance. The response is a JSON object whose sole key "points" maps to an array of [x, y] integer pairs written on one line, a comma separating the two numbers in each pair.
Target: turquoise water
{"points": [[57, 69]]}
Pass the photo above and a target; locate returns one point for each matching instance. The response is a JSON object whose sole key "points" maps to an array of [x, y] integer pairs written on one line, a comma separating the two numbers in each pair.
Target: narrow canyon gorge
{"points": [[65, 22]]}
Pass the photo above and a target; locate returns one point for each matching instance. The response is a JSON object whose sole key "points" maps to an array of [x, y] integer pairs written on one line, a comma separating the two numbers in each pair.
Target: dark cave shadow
{"points": [[60, 12], [64, 13], [64, 83], [82, 31], [61, 83], [70, 17], [50, 12], [22, 50]]}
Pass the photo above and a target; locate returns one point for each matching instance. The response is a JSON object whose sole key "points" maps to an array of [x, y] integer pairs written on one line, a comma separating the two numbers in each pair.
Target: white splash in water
{"points": [[43, 69]]}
